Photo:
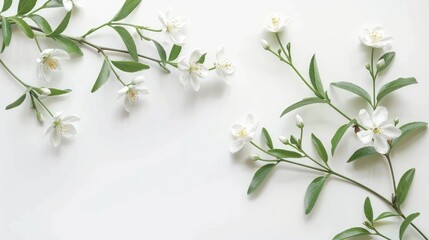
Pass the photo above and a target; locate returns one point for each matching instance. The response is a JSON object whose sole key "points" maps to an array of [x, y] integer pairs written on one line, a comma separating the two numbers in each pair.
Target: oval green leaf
{"points": [[68, 45], [352, 232], [62, 26], [23, 26], [386, 215], [42, 23], [367, 207], [404, 186], [302, 103], [128, 66], [18, 102], [321, 150], [282, 153], [361, 153], [103, 76], [161, 52], [25, 6], [259, 177], [315, 78], [6, 5], [339, 135], [128, 7], [313, 192], [58, 92], [353, 88], [267, 138], [128, 41], [7, 31], [408, 129], [407, 221], [394, 85], [174, 52], [388, 58]]}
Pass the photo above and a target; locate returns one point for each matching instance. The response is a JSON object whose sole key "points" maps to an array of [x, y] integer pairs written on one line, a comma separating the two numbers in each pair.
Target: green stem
{"points": [[41, 103], [136, 26], [282, 47], [94, 29], [13, 75], [374, 77], [38, 9], [392, 173], [381, 235], [37, 43]]}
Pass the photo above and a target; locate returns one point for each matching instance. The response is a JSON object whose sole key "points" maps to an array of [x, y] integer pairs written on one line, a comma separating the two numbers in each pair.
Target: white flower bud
{"points": [[396, 121], [254, 157], [284, 140], [381, 63], [299, 121], [265, 44], [45, 91], [40, 117]]}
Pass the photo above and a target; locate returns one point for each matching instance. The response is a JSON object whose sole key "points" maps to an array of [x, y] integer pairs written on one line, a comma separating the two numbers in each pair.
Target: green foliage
{"points": [[41, 23], [23, 26], [202, 58], [18, 102], [267, 138], [302, 103], [103, 76], [388, 58], [58, 92], [321, 150], [353, 88], [161, 52], [404, 186], [386, 215], [128, 7], [315, 78], [25, 6], [7, 31], [282, 153], [367, 207], [339, 135], [62, 26], [394, 85], [6, 5], [313, 192], [352, 232], [407, 221], [361, 153], [175, 52], [68, 45], [128, 66], [128, 41], [408, 129], [259, 177]]}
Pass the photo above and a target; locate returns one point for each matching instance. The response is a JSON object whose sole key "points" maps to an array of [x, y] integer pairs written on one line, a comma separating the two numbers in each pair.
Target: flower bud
{"points": [[396, 121], [45, 91], [254, 157], [367, 66], [381, 63], [299, 121], [284, 140], [40, 117], [265, 44]]}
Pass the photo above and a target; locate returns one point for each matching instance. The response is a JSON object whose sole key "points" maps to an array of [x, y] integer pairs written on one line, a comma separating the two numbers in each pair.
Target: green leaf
{"points": [[58, 92], [281, 153], [128, 66], [313, 192], [394, 85], [68, 45], [25, 6], [175, 52], [54, 4], [42, 23], [6, 5], [408, 129], [352, 232], [339, 135], [404, 186], [294, 141], [321, 150], [129, 42], [103, 76], [161, 52], [315, 78], [386, 215], [126, 9], [202, 58], [367, 207], [259, 177], [388, 58], [362, 152], [267, 139], [62, 26], [353, 88], [23, 26], [304, 102], [18, 102], [407, 221], [7, 31]]}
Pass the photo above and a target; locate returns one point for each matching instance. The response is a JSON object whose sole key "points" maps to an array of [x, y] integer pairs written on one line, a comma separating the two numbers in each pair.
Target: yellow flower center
{"points": [[174, 26], [275, 21], [61, 129], [51, 63], [376, 36], [242, 133], [132, 95], [377, 131]]}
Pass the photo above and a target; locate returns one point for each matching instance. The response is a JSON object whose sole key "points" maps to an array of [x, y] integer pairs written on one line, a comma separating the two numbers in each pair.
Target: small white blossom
{"points": [[173, 27], [243, 131], [40, 117], [276, 22], [61, 127], [69, 4], [131, 93], [377, 131], [265, 44], [375, 37], [380, 63], [254, 157], [192, 71], [284, 140], [224, 66], [49, 61], [299, 121], [45, 91]]}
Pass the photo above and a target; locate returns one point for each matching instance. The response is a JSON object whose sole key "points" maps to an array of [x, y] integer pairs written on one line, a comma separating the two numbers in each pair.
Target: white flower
{"points": [[284, 140], [45, 91], [192, 71], [61, 127], [48, 61], [254, 157], [243, 131], [276, 22], [299, 121], [173, 27], [375, 37], [376, 129], [132, 92], [69, 4], [224, 66], [265, 44]]}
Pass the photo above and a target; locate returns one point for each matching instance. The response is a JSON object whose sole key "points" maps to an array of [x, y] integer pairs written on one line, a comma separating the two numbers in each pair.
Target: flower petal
{"points": [[49, 129], [71, 118], [127, 104], [68, 5], [195, 83], [138, 80], [365, 136], [195, 56], [380, 144], [60, 54], [236, 128], [365, 119], [236, 145], [123, 91], [69, 130], [220, 54], [390, 131], [379, 116], [183, 64], [55, 139]]}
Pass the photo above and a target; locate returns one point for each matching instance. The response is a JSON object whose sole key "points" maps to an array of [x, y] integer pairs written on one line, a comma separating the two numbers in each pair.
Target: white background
{"points": [[165, 172]]}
